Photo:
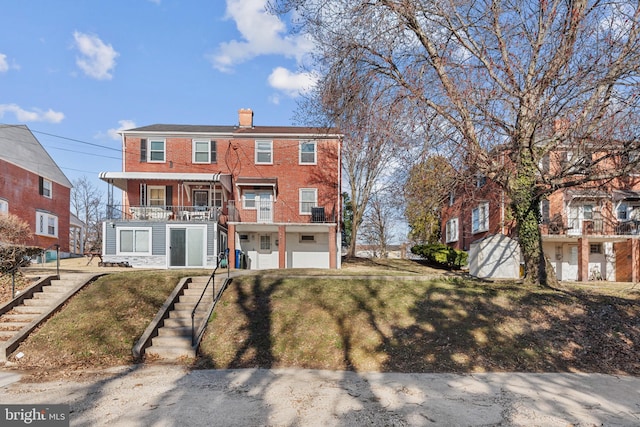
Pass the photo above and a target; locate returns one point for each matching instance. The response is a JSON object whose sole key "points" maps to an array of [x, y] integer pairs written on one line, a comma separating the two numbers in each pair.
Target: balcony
{"points": [[164, 213], [590, 227], [269, 212]]}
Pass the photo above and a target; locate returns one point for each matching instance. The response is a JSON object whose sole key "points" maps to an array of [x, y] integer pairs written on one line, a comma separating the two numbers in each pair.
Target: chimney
{"points": [[245, 117]]}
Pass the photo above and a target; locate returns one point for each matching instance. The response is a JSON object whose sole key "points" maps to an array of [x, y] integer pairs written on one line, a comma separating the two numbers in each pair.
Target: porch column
{"points": [[635, 246], [333, 249], [583, 259], [282, 246], [231, 242]]}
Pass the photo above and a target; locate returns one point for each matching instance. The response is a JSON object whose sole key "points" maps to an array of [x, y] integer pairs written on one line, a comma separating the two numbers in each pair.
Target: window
{"points": [[45, 188], [308, 152], [4, 206], [134, 241], [588, 211], [264, 152], [481, 180], [204, 151], [452, 198], [595, 248], [249, 200], [480, 218], [156, 150], [46, 224], [308, 199], [451, 232], [265, 242], [156, 195], [309, 238], [217, 198]]}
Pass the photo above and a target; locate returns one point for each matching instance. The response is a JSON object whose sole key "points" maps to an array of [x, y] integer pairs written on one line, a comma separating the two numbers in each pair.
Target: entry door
{"points": [[187, 247], [570, 271], [265, 206]]}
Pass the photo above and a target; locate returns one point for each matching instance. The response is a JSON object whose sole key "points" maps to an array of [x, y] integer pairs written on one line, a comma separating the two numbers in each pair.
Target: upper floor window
{"points": [[452, 198], [4, 206], [204, 151], [308, 200], [451, 231], [45, 188], [480, 218], [46, 224], [249, 200], [308, 152], [481, 180], [264, 152], [134, 241], [152, 150]]}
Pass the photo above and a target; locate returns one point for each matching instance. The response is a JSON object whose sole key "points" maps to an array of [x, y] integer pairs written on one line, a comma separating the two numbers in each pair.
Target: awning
{"points": [[587, 194], [245, 181], [625, 195], [119, 179]]}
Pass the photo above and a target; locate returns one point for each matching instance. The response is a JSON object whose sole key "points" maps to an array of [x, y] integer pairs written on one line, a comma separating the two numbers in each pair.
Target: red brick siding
{"points": [[20, 188]]}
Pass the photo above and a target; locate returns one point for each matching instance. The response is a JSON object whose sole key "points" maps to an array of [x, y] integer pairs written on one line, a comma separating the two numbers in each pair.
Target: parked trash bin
{"points": [[238, 252]]}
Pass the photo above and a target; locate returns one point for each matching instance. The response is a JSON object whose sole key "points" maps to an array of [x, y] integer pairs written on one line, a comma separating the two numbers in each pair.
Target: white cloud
{"points": [[36, 115], [4, 65], [291, 83], [124, 124], [97, 59], [262, 34]]}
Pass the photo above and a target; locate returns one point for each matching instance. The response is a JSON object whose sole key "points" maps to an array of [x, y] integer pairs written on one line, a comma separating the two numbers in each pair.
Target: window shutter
{"points": [[40, 185], [169, 195], [143, 194], [214, 157], [143, 150]]}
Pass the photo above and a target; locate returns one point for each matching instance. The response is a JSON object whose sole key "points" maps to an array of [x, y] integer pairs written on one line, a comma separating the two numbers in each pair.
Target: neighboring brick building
{"points": [[588, 232], [270, 194], [34, 188]]}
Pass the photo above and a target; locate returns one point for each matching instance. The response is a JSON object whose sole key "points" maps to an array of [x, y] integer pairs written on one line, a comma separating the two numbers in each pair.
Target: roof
{"points": [[18, 146], [119, 179], [234, 130]]}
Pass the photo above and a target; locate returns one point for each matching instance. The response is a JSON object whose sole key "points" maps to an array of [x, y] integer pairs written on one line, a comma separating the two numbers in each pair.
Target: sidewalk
{"points": [[160, 395]]}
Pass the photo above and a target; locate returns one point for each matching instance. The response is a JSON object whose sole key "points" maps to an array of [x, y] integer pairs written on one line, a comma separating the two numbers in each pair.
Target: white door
{"points": [[266, 253], [570, 267]]}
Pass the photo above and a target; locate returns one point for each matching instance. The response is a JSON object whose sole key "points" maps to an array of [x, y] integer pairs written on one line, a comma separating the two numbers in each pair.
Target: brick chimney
{"points": [[245, 117]]}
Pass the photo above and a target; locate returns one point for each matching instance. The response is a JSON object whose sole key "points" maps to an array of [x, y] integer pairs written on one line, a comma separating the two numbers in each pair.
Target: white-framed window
{"points": [[595, 248], [308, 200], [451, 231], [156, 195], [46, 224], [217, 198], [46, 188], [480, 218], [264, 152], [204, 151], [265, 242], [4, 206], [156, 150], [130, 240], [249, 200], [308, 153]]}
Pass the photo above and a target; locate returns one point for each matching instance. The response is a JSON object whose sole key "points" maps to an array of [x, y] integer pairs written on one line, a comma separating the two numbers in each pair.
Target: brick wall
{"points": [[20, 188]]}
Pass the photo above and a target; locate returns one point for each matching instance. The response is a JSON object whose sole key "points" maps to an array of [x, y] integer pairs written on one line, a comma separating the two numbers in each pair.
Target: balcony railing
{"points": [[164, 213], [598, 226], [268, 212]]}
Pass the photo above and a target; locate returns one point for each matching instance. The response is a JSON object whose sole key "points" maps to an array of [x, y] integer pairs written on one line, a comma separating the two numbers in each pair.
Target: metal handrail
{"points": [[24, 262], [211, 280]]}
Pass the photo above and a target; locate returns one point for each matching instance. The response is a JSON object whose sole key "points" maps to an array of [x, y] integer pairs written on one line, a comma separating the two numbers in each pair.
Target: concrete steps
{"points": [[20, 318], [173, 340]]}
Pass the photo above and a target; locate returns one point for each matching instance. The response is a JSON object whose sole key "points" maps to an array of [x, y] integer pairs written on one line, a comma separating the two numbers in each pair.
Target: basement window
{"points": [[309, 238]]}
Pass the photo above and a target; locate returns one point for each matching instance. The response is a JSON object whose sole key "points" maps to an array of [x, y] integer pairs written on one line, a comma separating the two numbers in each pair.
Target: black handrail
{"points": [[26, 261], [211, 280]]}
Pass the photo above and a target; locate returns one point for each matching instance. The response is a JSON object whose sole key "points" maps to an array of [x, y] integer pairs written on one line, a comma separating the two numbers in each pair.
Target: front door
{"points": [[187, 246]]}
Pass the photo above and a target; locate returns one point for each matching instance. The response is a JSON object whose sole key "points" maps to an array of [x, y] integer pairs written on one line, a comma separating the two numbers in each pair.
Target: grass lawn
{"points": [[370, 320]]}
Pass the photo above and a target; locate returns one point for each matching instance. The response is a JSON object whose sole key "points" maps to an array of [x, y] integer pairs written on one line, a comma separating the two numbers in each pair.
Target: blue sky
{"points": [[76, 71]]}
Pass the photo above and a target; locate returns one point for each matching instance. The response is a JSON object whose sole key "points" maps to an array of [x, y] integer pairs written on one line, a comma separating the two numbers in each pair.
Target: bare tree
{"points": [[14, 236], [88, 205], [378, 223], [527, 78]]}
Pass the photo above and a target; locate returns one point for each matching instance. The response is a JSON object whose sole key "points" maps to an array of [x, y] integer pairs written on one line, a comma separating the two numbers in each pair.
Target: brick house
{"points": [[33, 187], [589, 232], [268, 194]]}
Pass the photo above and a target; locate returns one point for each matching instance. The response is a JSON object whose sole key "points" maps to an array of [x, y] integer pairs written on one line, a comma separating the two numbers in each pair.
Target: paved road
{"points": [[159, 395]]}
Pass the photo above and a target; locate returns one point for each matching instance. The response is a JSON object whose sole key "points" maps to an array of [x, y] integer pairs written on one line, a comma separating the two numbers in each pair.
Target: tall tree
{"points": [[88, 205], [529, 78], [379, 220]]}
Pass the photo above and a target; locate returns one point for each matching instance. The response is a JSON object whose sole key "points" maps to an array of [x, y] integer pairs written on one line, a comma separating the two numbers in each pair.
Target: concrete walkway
{"points": [[160, 395]]}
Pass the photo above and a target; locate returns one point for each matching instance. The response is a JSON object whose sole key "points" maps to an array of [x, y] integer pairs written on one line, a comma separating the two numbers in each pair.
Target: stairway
{"points": [[18, 322], [173, 341]]}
